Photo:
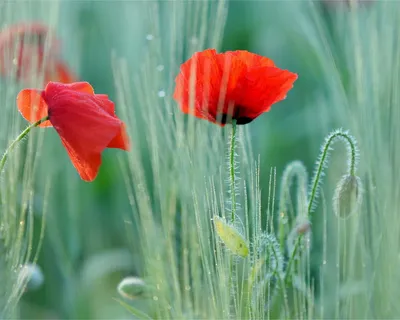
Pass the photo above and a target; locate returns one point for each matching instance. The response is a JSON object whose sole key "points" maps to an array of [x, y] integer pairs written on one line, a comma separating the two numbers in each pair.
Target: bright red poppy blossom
{"points": [[236, 85], [22, 52], [85, 121]]}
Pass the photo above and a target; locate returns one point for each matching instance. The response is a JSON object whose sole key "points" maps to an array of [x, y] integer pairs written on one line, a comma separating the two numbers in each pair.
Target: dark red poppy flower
{"points": [[85, 121], [22, 52], [236, 85]]}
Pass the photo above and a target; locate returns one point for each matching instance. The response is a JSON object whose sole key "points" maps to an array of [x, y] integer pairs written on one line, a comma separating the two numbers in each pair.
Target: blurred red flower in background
{"points": [[23, 53], [85, 121], [237, 85]]}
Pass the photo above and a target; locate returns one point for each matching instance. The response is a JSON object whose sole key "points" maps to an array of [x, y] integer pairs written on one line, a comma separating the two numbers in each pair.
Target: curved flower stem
{"points": [[325, 150], [19, 138], [352, 157], [232, 170]]}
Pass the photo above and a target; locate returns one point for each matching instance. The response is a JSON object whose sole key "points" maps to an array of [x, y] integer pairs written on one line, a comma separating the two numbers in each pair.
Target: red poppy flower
{"points": [[85, 121], [22, 52], [236, 85]]}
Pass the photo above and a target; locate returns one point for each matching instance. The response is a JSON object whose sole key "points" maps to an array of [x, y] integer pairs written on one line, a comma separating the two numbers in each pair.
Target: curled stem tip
{"points": [[352, 153]]}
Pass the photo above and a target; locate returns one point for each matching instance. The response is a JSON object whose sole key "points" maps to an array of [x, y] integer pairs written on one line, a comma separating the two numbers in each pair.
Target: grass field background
{"points": [[148, 213]]}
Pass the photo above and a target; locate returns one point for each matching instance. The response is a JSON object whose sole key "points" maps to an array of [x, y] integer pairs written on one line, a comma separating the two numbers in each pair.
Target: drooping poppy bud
{"points": [[348, 196]]}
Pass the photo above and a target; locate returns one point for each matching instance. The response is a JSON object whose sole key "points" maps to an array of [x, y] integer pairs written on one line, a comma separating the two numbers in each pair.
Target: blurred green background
{"points": [[87, 249]]}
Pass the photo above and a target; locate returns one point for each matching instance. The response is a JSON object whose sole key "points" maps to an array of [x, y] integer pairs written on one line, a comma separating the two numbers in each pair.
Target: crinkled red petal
{"points": [[83, 126], [251, 60], [53, 88], [121, 140], [198, 85], [260, 88], [32, 106], [87, 164]]}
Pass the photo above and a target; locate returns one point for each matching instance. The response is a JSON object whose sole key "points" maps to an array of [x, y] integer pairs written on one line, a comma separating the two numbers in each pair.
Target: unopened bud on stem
{"points": [[348, 196]]}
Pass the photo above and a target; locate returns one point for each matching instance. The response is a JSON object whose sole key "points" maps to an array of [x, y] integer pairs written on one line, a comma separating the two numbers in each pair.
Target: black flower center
{"points": [[225, 118]]}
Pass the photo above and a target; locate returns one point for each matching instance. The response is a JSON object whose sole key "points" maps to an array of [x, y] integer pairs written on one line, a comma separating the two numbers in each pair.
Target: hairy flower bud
{"points": [[348, 196]]}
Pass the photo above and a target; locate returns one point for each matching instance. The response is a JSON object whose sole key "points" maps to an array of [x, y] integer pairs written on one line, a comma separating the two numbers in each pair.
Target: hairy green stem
{"points": [[325, 150], [232, 170], [324, 153], [233, 195], [19, 138]]}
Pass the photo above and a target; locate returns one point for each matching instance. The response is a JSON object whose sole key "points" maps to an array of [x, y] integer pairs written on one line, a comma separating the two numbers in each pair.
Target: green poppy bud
{"points": [[348, 196]]}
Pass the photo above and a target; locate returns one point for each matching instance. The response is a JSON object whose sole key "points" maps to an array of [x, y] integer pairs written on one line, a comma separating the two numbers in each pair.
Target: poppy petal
{"points": [[260, 88], [234, 69], [252, 60], [83, 86], [198, 84], [86, 126], [87, 164], [32, 106], [83, 126], [121, 140], [52, 88], [105, 103], [24, 45], [59, 72]]}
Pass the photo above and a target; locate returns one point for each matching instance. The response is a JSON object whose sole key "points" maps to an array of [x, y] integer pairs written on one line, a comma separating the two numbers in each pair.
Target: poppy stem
{"points": [[232, 170], [352, 154], [19, 138]]}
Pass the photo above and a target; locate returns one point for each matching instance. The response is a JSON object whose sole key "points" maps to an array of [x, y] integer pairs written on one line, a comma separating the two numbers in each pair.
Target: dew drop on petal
{"points": [[161, 93], [149, 37]]}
